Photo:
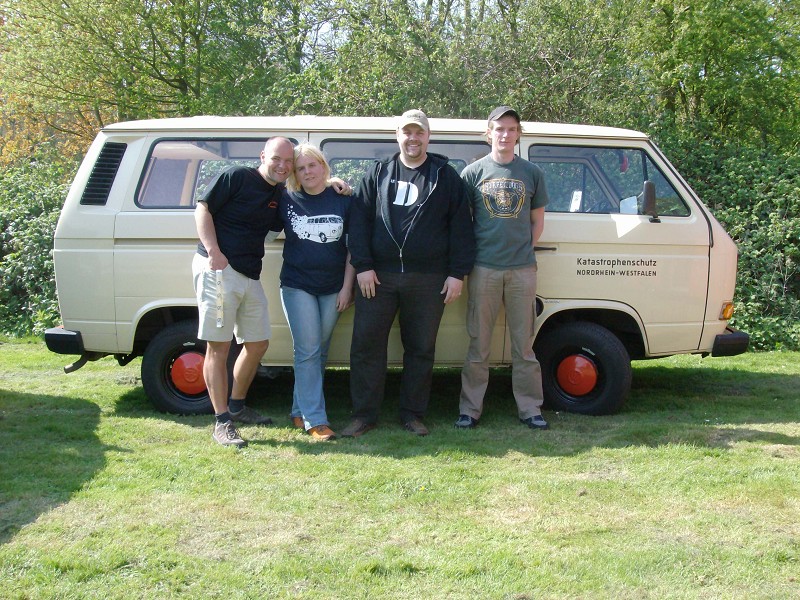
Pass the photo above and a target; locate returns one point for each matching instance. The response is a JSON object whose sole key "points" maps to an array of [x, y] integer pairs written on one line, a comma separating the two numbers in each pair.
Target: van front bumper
{"points": [[730, 343]]}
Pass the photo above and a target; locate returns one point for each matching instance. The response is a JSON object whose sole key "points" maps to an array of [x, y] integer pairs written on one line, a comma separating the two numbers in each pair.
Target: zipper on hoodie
{"points": [[411, 226], [399, 247]]}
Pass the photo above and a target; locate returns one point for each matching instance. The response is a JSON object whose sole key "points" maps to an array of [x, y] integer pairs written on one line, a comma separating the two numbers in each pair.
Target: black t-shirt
{"points": [[409, 189], [244, 208]]}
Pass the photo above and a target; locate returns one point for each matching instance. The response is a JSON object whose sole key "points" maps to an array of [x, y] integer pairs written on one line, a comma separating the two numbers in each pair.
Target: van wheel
{"points": [[322, 237], [585, 368], [172, 370]]}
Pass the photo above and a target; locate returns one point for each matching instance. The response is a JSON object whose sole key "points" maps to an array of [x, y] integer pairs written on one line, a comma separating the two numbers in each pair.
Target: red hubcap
{"points": [[187, 373], [577, 375]]}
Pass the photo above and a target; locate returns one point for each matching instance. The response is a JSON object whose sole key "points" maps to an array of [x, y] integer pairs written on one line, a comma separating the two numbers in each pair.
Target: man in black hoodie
{"points": [[412, 242]]}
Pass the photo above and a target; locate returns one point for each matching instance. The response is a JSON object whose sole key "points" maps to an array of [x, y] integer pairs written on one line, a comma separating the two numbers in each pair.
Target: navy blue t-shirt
{"points": [[244, 208], [315, 249]]}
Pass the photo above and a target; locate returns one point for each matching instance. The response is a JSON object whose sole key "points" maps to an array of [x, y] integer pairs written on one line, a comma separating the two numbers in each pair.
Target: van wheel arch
{"points": [[585, 368]]}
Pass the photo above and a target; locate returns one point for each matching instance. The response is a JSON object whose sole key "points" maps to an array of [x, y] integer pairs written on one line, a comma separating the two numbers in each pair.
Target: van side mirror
{"points": [[649, 201]]}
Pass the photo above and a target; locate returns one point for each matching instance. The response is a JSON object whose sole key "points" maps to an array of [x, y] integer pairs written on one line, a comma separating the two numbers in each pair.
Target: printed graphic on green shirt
{"points": [[503, 198]]}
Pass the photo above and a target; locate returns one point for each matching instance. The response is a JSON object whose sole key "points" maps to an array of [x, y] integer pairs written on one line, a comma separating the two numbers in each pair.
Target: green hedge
{"points": [[755, 194], [31, 196]]}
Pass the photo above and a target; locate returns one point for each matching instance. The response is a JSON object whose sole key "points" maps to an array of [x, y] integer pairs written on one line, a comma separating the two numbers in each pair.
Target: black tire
{"points": [[608, 361], [163, 350], [322, 237]]}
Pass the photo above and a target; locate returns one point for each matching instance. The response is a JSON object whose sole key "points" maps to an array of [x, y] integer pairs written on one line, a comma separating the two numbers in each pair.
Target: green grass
{"points": [[693, 491]]}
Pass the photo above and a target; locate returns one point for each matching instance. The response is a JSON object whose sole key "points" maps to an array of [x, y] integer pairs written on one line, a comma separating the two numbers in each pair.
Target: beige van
{"points": [[632, 265]]}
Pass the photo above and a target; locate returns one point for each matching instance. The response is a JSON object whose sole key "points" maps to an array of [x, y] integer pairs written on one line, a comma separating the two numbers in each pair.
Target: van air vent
{"points": [[103, 174]]}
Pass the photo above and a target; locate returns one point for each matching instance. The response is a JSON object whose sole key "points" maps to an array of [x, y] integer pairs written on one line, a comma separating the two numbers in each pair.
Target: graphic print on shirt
{"points": [[503, 198], [407, 193], [323, 229]]}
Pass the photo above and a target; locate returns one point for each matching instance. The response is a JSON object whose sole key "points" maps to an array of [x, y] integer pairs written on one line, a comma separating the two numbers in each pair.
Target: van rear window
{"points": [[592, 179], [179, 171]]}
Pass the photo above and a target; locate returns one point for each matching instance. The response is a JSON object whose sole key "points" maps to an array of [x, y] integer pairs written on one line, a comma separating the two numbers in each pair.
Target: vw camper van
{"points": [[632, 265]]}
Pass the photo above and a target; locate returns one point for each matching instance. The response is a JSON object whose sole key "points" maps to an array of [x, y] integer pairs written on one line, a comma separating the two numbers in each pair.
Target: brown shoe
{"points": [[416, 427], [322, 433], [356, 428], [298, 422]]}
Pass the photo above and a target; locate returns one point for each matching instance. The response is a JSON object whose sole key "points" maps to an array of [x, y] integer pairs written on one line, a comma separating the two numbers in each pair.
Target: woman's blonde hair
{"points": [[310, 150]]}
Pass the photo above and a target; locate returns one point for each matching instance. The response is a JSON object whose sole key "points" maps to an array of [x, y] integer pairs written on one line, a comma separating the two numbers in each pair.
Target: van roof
{"points": [[374, 124]]}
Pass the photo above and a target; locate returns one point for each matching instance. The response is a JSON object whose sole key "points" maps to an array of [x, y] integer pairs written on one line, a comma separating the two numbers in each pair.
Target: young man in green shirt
{"points": [[508, 204]]}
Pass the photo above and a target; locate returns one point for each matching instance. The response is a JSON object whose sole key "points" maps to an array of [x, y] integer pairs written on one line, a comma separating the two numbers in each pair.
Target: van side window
{"points": [[179, 171], [591, 179], [350, 159]]}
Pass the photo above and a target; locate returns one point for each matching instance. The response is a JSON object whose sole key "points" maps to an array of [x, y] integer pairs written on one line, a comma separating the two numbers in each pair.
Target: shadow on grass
{"points": [[713, 408], [50, 450]]}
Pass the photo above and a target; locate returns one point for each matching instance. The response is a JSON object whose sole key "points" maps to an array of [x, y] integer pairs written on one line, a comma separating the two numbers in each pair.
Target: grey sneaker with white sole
{"points": [[226, 434]]}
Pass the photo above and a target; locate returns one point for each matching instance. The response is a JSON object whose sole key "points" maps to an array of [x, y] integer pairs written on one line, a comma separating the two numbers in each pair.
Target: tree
{"points": [[383, 58], [109, 60], [729, 65]]}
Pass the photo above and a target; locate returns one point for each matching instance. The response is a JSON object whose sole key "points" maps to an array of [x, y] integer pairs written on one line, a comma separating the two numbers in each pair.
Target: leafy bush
{"points": [[755, 194], [31, 196]]}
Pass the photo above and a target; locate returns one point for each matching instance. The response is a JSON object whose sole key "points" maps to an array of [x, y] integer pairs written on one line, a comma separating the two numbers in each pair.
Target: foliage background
{"points": [[714, 83]]}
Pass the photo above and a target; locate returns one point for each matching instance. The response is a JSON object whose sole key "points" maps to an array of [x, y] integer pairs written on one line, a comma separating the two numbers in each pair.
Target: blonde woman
{"points": [[316, 280]]}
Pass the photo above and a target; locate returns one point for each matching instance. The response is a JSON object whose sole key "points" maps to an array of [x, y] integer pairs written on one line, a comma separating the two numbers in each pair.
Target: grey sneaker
{"points": [[466, 422], [248, 416], [226, 435], [536, 422]]}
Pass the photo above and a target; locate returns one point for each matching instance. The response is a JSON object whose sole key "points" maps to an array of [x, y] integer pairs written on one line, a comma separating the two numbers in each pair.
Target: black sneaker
{"points": [[225, 434], [466, 422], [536, 422], [248, 416]]}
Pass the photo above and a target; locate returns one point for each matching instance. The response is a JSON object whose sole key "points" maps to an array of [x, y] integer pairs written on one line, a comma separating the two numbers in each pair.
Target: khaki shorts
{"points": [[244, 310]]}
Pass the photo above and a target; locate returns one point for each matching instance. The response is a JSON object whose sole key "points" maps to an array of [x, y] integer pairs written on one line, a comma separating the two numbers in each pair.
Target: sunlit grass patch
{"points": [[691, 492]]}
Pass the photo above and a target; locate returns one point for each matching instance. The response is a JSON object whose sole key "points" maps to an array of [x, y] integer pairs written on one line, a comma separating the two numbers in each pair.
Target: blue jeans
{"points": [[311, 320]]}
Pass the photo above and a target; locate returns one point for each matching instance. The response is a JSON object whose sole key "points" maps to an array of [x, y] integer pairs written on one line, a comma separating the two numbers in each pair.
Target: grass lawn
{"points": [[692, 491]]}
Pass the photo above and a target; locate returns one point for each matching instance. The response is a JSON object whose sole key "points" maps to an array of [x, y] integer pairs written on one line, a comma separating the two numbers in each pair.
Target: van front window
{"points": [[594, 179]]}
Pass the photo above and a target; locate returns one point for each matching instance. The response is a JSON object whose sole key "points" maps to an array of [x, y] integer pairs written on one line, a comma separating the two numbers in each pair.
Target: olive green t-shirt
{"points": [[502, 198]]}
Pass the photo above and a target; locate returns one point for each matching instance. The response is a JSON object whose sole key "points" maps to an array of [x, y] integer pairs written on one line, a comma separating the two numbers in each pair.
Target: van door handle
{"points": [[541, 248]]}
